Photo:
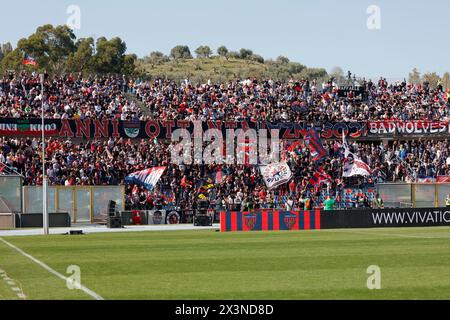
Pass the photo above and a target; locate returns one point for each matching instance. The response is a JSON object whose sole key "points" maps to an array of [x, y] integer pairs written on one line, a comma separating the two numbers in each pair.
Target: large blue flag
{"points": [[147, 178], [314, 143]]}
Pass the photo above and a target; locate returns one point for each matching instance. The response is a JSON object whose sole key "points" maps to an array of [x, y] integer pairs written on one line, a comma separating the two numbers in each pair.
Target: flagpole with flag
{"points": [[353, 166], [45, 216], [29, 61]]}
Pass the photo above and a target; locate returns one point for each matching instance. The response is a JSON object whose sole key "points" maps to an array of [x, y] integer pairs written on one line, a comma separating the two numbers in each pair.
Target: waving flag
{"points": [[29, 61], [314, 143], [147, 178], [356, 168], [276, 174], [319, 176], [353, 166]]}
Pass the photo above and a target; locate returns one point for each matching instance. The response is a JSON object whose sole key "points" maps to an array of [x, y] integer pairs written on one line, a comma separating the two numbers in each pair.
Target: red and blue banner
{"points": [[270, 220], [312, 139]]}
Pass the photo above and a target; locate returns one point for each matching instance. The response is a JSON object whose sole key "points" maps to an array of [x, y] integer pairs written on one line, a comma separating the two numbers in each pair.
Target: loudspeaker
{"points": [[114, 222], [112, 208], [203, 221], [203, 205], [201, 212]]}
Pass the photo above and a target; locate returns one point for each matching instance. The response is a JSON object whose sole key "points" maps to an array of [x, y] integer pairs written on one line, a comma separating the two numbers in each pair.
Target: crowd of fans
{"points": [[293, 101], [75, 97], [108, 162], [66, 97]]}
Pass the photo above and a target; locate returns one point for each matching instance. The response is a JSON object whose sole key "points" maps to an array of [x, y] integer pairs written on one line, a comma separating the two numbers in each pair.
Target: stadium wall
{"points": [[268, 220]]}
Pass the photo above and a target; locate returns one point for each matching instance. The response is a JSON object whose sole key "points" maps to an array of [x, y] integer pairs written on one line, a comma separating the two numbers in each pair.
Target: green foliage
{"points": [[257, 58], [295, 68], [110, 55], [221, 70], [51, 46], [414, 76], [222, 51], [129, 65], [432, 79], [203, 52], [234, 55], [337, 74], [181, 52], [156, 58], [313, 73], [82, 59], [5, 49], [245, 53], [57, 51], [282, 60], [446, 81], [12, 61]]}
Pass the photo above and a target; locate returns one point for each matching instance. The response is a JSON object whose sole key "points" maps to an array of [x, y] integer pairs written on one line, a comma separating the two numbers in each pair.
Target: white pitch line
{"points": [[46, 267]]}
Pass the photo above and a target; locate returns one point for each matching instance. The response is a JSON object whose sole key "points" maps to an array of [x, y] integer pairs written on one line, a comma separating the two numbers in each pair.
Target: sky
{"points": [[319, 33]]}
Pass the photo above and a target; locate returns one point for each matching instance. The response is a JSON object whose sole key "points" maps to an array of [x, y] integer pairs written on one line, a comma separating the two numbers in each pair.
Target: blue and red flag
{"points": [[319, 176], [147, 178], [314, 143], [30, 61]]}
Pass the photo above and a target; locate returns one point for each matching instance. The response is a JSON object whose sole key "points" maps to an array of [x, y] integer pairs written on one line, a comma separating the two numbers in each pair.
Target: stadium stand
{"points": [[108, 161]]}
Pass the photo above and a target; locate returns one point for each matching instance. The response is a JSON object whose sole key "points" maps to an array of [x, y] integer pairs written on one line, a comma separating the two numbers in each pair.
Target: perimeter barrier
{"points": [[85, 204], [274, 220]]}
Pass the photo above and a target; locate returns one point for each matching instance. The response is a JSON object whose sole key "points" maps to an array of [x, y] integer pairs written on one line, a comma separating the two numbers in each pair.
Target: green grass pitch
{"points": [[203, 264]]}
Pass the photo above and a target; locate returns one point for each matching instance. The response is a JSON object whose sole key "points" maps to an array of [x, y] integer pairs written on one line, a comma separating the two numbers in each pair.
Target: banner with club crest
{"points": [[266, 220]]}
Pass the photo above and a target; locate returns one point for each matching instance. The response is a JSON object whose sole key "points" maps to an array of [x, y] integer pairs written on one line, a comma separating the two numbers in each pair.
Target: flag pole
{"points": [[45, 217]]}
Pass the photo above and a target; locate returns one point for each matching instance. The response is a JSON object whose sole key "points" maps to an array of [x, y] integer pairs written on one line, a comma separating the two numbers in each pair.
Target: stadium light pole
{"points": [[45, 217]]}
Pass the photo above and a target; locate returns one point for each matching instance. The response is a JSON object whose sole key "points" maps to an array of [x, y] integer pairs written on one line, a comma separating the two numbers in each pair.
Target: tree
{"points": [[234, 55], [157, 58], [110, 55], [181, 52], [57, 51], [82, 59], [12, 60], [203, 52], [245, 53], [129, 65], [446, 81], [5, 49], [295, 68], [282, 60], [338, 74], [414, 76], [51, 46], [313, 73], [432, 78], [256, 58], [223, 52]]}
